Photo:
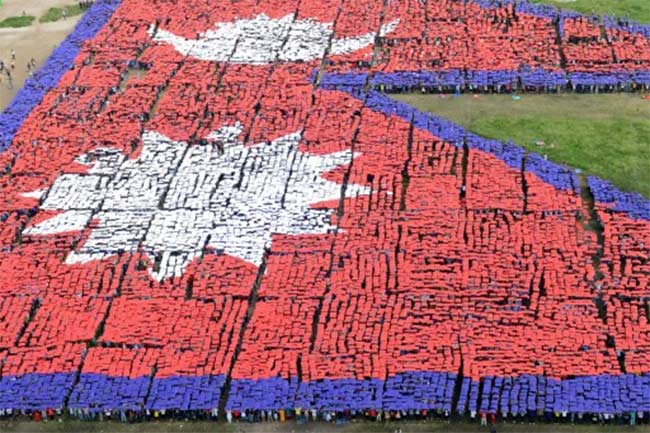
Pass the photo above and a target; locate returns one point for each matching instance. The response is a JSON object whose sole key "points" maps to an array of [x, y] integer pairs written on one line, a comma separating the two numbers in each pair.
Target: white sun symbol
{"points": [[263, 40], [177, 199]]}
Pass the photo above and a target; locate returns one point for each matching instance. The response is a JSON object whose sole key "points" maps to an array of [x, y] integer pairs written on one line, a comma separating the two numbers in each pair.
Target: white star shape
{"points": [[176, 199]]}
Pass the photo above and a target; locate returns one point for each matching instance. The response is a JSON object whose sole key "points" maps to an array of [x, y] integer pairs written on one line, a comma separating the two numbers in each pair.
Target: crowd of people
{"points": [[85, 4], [6, 69], [446, 275], [301, 416]]}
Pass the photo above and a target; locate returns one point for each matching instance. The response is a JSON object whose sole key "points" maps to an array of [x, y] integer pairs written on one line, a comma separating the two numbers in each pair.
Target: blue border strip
{"points": [[538, 78], [429, 390], [634, 204], [414, 390], [35, 391], [186, 392], [48, 76], [98, 392]]}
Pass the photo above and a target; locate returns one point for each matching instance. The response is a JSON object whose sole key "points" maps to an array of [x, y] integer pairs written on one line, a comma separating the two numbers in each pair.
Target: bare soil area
{"points": [[36, 41], [312, 427]]}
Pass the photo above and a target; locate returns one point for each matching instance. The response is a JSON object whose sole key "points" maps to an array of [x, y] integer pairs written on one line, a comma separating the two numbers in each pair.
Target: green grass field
{"points": [[56, 13], [604, 135], [637, 10], [16, 22]]}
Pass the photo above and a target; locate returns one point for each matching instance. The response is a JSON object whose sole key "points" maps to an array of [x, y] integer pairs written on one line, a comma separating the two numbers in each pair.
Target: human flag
{"points": [[220, 208]]}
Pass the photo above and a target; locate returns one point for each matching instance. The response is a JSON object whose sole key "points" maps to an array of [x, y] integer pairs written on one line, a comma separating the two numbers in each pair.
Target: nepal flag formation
{"points": [[216, 208]]}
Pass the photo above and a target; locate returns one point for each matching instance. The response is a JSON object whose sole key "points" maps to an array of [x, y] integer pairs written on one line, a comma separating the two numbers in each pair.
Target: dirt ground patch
{"points": [[36, 41], [313, 427]]}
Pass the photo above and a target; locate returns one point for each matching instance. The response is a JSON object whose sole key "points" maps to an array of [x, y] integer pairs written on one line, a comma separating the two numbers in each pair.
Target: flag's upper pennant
{"points": [[262, 40], [176, 199]]}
